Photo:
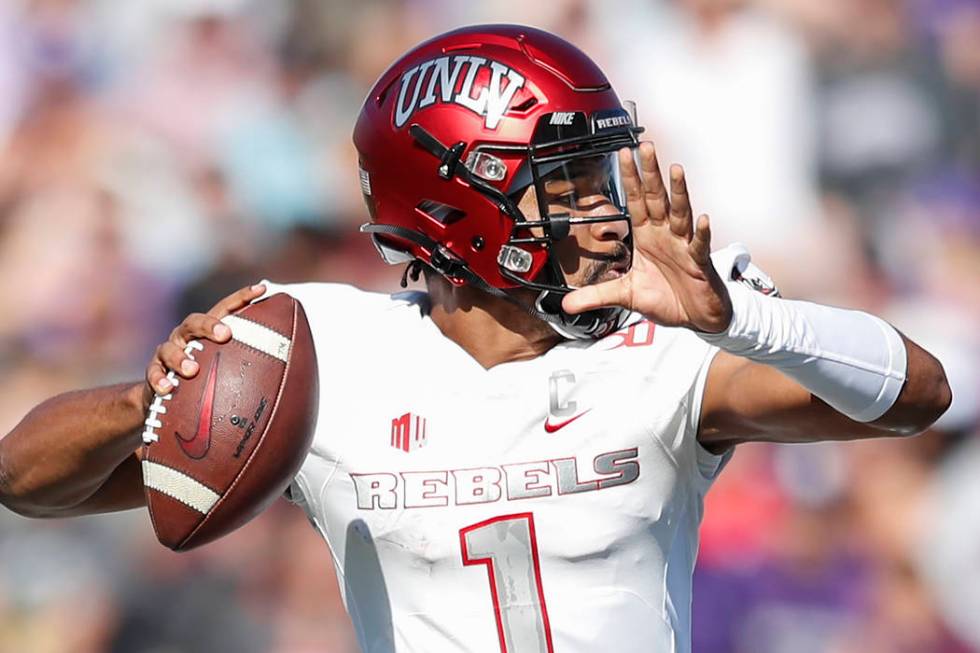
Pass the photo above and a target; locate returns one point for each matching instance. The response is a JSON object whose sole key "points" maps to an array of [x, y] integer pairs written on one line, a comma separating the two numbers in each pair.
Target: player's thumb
{"points": [[607, 293]]}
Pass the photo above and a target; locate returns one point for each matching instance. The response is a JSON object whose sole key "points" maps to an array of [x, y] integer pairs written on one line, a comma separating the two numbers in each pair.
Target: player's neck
{"points": [[490, 329]]}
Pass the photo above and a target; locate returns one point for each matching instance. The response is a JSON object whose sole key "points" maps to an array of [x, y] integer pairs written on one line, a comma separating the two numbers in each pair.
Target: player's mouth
{"points": [[615, 265], [620, 267], [608, 266]]}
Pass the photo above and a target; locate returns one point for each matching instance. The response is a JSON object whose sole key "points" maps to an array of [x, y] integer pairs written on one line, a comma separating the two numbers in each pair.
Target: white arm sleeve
{"points": [[854, 361]]}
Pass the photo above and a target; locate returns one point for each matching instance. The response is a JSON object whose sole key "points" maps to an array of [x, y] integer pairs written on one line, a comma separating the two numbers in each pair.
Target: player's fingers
{"points": [[156, 377], [653, 183], [701, 242], [176, 358], [201, 325], [633, 187], [236, 300], [607, 293], [680, 204]]}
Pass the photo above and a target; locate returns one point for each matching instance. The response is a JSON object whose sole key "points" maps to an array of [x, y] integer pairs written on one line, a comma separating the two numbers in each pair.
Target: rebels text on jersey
{"points": [[541, 505], [541, 478]]}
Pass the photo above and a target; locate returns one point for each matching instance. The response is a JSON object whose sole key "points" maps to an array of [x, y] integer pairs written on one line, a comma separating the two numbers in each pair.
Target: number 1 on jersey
{"points": [[509, 549]]}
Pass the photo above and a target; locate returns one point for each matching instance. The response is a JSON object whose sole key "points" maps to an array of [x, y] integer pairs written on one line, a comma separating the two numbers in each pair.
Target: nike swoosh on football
{"points": [[551, 428], [197, 446]]}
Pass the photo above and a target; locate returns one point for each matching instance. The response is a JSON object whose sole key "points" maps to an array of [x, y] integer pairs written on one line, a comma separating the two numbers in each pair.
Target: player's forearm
{"points": [[856, 363], [67, 447]]}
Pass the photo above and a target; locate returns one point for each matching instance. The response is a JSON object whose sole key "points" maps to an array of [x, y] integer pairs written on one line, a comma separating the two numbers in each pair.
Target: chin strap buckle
{"points": [[514, 259]]}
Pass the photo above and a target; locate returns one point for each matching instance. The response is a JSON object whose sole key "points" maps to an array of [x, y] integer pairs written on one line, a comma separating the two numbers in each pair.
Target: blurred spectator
{"points": [[727, 91]]}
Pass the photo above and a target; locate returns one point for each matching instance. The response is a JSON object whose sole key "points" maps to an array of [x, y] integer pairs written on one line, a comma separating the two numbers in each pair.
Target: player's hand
{"points": [[170, 355], [672, 281]]}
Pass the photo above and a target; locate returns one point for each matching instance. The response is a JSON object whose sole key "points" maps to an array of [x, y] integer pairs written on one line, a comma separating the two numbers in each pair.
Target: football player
{"points": [[516, 459]]}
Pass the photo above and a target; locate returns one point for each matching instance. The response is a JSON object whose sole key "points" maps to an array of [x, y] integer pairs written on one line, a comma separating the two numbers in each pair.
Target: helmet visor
{"points": [[583, 189]]}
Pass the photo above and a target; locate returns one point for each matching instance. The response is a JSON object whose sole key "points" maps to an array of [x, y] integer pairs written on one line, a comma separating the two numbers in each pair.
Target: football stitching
{"points": [[157, 408]]}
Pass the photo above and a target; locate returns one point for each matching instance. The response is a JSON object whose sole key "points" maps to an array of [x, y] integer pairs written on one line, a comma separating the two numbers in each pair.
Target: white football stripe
{"points": [[179, 486], [258, 336]]}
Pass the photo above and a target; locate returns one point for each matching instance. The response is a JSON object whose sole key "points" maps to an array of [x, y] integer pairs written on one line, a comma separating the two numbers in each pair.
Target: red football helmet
{"points": [[454, 133]]}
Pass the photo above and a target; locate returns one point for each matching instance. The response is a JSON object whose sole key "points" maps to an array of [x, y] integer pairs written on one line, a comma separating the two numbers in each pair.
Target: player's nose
{"points": [[608, 229]]}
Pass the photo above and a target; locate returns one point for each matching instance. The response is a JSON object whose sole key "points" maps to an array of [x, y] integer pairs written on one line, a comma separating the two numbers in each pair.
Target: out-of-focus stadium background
{"points": [[155, 155]]}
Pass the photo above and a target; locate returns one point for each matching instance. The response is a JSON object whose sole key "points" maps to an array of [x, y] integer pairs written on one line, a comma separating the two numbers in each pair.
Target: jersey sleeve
{"points": [[677, 378], [692, 362], [708, 465]]}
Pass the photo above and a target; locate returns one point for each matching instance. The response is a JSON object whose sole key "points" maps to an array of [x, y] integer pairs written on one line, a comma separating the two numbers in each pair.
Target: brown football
{"points": [[224, 445]]}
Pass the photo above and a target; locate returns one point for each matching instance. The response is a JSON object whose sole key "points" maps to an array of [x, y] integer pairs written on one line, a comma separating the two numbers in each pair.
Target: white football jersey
{"points": [[544, 505]]}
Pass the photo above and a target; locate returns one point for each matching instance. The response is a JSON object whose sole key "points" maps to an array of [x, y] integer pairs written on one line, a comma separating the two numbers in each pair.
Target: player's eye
{"points": [[567, 200]]}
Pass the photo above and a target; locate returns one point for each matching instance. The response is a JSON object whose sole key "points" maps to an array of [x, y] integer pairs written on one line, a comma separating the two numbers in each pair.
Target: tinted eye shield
{"points": [[571, 191]]}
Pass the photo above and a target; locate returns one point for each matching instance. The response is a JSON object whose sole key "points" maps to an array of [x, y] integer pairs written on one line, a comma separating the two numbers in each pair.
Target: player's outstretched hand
{"points": [[170, 355], [672, 281]]}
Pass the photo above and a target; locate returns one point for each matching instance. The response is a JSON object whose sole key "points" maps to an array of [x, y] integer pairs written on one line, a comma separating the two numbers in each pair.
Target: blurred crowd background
{"points": [[155, 155]]}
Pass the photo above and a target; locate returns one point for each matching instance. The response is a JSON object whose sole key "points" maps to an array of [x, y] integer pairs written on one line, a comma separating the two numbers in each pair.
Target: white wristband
{"points": [[854, 361]]}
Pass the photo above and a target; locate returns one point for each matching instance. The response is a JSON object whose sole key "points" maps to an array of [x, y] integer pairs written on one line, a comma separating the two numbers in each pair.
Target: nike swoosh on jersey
{"points": [[198, 445], [551, 428]]}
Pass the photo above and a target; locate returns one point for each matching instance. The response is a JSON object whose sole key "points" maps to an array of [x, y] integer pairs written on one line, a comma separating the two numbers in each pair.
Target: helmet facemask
{"points": [[572, 165]]}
